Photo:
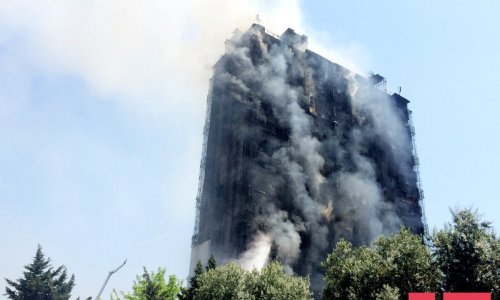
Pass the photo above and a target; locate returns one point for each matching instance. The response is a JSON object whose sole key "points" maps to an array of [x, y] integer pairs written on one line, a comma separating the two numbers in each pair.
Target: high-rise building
{"points": [[298, 152]]}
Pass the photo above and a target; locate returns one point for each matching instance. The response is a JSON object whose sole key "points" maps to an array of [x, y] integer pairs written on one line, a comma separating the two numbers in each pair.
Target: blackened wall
{"points": [[303, 150]]}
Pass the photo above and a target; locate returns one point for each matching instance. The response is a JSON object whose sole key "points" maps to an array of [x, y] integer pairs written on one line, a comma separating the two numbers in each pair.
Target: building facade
{"points": [[299, 152]]}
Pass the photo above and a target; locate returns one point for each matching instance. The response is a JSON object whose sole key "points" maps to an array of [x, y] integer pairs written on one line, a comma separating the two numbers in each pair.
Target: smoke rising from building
{"points": [[144, 54], [298, 153]]}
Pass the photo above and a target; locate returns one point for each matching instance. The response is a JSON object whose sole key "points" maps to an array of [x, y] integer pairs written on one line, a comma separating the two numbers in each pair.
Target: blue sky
{"points": [[102, 108]]}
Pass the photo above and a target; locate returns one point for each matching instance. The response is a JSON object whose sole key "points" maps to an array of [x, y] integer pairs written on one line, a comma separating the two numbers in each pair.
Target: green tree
{"points": [[233, 282], [468, 254], [273, 283], [399, 262], [224, 282], [187, 293], [388, 293], [211, 264], [41, 281], [152, 286]]}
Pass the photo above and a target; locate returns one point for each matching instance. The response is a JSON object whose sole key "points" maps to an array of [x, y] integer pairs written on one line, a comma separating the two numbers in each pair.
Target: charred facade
{"points": [[298, 152]]}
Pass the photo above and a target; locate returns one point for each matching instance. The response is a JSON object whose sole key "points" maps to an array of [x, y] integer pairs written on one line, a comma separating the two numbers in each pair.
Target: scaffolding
{"points": [[201, 179], [417, 173], [244, 180]]}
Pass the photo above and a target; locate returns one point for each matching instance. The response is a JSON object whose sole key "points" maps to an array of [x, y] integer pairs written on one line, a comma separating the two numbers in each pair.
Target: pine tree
{"points": [[194, 282], [41, 281], [188, 293], [212, 263]]}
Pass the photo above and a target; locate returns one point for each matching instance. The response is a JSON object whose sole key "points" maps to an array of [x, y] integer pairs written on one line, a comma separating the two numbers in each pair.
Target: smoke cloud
{"points": [[346, 201], [156, 57], [258, 252], [152, 55]]}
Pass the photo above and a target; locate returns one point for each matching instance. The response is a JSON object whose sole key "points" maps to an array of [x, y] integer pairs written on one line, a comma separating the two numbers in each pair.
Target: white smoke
{"points": [[300, 161], [387, 123], [258, 252], [282, 234], [363, 205], [157, 56], [352, 197], [151, 55]]}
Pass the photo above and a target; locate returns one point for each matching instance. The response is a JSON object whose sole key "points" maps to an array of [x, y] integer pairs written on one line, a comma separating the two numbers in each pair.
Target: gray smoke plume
{"points": [[343, 202]]}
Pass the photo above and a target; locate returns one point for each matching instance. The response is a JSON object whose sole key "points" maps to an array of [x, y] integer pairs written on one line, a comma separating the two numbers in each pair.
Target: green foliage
{"points": [[187, 293], [468, 253], [272, 283], [211, 264], [152, 286], [400, 261], [198, 271], [41, 281], [388, 293], [465, 257], [233, 282], [224, 282]]}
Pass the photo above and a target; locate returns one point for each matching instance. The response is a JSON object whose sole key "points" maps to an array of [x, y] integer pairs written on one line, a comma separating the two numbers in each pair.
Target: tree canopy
{"points": [[187, 293], [41, 281], [152, 286], [393, 264], [468, 253], [211, 264], [233, 282], [463, 257]]}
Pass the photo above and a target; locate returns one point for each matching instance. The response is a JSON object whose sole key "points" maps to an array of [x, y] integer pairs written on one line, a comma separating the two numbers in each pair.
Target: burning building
{"points": [[299, 152]]}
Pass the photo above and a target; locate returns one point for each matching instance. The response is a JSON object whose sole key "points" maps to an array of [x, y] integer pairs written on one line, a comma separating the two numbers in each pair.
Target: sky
{"points": [[102, 109]]}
